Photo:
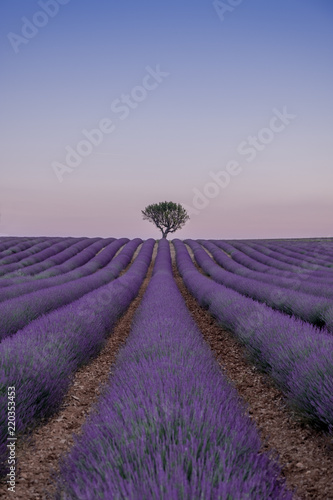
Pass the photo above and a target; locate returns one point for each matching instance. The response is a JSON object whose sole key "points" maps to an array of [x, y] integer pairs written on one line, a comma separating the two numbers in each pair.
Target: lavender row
{"points": [[83, 257], [255, 261], [169, 425], [315, 310], [288, 257], [26, 249], [18, 312], [277, 261], [327, 249], [10, 241], [10, 262], [297, 355], [60, 262], [275, 265], [30, 265], [22, 244], [297, 253], [85, 263], [40, 360], [294, 249], [322, 247], [49, 266], [22, 263], [300, 282]]}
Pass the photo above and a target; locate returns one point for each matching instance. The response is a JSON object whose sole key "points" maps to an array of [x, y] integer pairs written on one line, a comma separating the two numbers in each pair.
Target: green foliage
{"points": [[166, 215]]}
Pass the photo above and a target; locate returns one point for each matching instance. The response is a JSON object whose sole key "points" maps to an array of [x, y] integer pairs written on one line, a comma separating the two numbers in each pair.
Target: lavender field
{"points": [[168, 423]]}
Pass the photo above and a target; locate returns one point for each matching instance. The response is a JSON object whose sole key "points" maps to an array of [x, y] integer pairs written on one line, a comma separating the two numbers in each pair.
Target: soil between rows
{"points": [[306, 456]]}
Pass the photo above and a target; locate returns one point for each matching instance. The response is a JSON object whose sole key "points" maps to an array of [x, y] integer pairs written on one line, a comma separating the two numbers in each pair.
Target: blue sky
{"points": [[224, 79]]}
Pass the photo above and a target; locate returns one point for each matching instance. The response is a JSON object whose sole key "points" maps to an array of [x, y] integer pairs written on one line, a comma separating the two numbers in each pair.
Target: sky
{"points": [[225, 107]]}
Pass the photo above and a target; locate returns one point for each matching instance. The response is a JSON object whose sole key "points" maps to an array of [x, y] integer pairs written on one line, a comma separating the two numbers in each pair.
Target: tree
{"points": [[166, 215]]}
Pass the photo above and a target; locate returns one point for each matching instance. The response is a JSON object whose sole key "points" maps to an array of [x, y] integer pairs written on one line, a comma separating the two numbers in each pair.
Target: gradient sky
{"points": [[225, 78]]}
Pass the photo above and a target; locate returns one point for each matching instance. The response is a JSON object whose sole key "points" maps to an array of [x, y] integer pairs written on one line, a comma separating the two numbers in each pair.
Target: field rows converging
{"points": [[296, 354], [41, 358], [17, 312], [84, 262], [301, 279], [314, 309], [273, 265], [169, 423], [37, 268]]}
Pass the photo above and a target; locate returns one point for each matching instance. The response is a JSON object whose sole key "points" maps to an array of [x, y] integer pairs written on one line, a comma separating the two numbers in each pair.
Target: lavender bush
{"points": [[242, 265], [21, 245], [48, 258], [41, 359], [8, 242], [316, 310], [307, 256], [52, 246], [10, 262], [18, 312], [169, 425], [276, 265], [297, 355], [83, 264], [290, 257], [27, 274]]}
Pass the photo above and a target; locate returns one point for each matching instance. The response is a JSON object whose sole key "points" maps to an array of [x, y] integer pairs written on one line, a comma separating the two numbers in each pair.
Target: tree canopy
{"points": [[166, 215]]}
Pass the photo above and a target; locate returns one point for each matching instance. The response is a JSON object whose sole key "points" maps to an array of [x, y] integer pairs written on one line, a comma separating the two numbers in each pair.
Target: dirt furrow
{"points": [[38, 457]]}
